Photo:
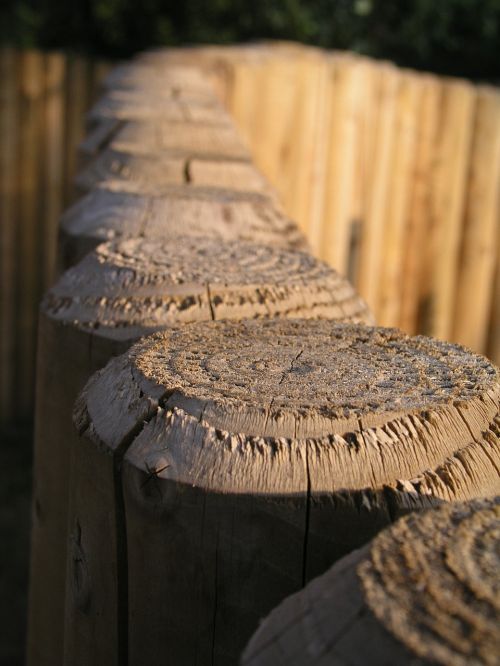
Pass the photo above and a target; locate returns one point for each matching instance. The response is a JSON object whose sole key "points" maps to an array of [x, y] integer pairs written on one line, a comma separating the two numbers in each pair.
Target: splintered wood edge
{"points": [[242, 428], [426, 590], [131, 287]]}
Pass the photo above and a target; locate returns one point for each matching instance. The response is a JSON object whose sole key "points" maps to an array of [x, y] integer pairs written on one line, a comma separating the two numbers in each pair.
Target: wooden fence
{"points": [[43, 99], [394, 175]]}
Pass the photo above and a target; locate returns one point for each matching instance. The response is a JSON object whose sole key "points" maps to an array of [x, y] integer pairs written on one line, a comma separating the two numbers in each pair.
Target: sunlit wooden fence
{"points": [[43, 98], [393, 174]]}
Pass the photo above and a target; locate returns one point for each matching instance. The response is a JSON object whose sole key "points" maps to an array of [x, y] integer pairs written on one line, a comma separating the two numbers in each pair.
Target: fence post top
{"points": [[346, 397]]}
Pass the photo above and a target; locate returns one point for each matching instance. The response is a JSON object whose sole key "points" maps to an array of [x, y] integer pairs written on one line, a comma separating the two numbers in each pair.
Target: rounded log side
{"points": [[105, 214], [117, 294], [252, 455], [425, 591]]}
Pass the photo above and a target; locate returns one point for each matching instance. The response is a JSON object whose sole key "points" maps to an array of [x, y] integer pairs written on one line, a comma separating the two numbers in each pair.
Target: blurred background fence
{"points": [[394, 176], [43, 99]]}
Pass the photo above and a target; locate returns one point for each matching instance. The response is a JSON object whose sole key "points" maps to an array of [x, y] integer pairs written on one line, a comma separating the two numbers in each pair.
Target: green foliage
{"points": [[451, 36]]}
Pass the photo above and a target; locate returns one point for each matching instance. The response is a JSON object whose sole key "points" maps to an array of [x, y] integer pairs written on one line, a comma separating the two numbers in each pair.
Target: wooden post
{"points": [[105, 214], [114, 296], [129, 105], [108, 116], [233, 462], [162, 80], [423, 592], [182, 138], [149, 173]]}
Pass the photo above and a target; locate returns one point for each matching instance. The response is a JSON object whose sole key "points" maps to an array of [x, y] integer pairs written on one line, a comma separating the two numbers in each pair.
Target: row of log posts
{"points": [[120, 292], [219, 465]]}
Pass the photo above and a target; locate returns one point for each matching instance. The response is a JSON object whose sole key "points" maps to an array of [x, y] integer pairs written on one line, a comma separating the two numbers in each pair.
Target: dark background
{"points": [[457, 37]]}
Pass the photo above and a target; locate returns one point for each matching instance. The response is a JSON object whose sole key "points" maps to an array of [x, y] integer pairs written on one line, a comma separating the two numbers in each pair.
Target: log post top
{"points": [[108, 213], [162, 136], [433, 581], [259, 406], [151, 173], [159, 80], [424, 591], [128, 288], [131, 105]]}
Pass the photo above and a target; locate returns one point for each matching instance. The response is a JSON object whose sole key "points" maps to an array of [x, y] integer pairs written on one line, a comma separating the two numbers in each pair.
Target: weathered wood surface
{"points": [[129, 105], [108, 115], [160, 81], [142, 173], [157, 137], [96, 310], [105, 214], [425, 591], [247, 457]]}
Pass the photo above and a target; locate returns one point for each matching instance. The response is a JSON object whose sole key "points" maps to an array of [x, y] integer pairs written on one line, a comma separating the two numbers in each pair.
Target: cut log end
{"points": [[107, 214], [425, 591], [365, 406], [148, 285]]}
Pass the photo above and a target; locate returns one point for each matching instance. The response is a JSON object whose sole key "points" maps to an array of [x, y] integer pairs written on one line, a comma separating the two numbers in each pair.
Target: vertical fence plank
{"points": [[402, 164], [378, 189], [275, 105], [303, 161], [53, 176], [29, 236], [9, 129], [242, 96], [415, 248], [493, 348], [448, 189], [313, 214], [349, 79], [77, 101], [482, 216]]}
